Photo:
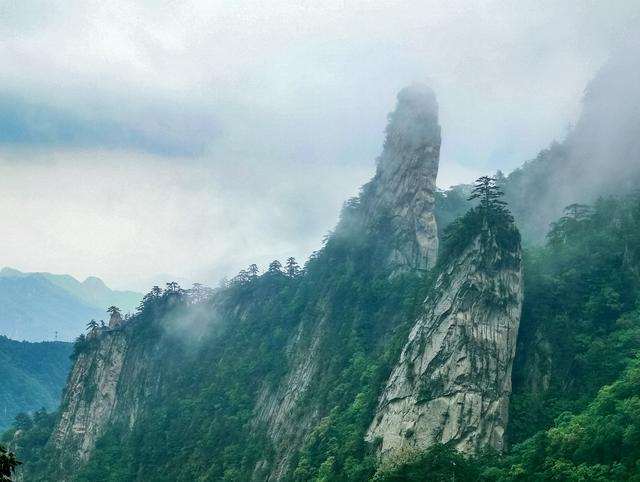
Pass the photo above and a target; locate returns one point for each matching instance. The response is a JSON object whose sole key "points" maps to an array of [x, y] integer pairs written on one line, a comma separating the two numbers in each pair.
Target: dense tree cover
{"points": [[490, 217], [28, 437], [581, 319], [443, 463], [579, 332], [33, 376], [602, 443]]}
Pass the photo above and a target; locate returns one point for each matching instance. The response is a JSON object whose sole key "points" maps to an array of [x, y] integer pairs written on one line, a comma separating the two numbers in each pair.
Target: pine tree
{"points": [[253, 271], [292, 268], [199, 293], [577, 212], [92, 326], [569, 225], [487, 191], [240, 278], [275, 267], [173, 287]]}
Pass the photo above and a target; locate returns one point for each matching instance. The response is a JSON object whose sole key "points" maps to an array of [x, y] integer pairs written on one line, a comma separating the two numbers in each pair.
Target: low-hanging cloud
{"points": [[139, 221], [144, 141]]}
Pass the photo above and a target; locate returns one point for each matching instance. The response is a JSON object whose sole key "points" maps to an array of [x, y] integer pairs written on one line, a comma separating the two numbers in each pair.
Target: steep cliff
{"points": [[277, 376], [90, 397], [453, 380], [404, 186], [393, 219]]}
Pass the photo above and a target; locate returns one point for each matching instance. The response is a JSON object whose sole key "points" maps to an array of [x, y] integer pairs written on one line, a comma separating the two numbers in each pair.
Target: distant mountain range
{"points": [[45, 306]]}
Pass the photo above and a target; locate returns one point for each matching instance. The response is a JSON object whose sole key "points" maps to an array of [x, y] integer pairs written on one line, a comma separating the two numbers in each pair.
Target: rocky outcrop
{"points": [[404, 187], [124, 372], [113, 377], [453, 380], [90, 397], [396, 214]]}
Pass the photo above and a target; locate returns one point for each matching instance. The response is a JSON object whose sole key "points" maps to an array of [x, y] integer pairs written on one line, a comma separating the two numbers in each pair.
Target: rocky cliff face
{"points": [[398, 215], [404, 187], [273, 358], [90, 397], [453, 380], [112, 378]]}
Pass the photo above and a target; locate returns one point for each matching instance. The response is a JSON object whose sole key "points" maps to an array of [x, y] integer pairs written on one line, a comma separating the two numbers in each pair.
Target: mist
{"points": [[182, 142], [599, 157]]}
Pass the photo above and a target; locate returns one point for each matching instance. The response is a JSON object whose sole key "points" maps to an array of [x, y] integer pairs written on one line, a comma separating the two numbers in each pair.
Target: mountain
{"points": [[39, 306], [576, 376], [33, 376], [268, 371], [401, 351], [452, 381]]}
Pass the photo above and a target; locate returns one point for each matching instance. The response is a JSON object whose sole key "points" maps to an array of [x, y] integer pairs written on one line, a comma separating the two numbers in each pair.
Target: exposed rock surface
{"points": [[111, 380], [453, 380], [404, 186], [113, 377], [402, 193], [90, 397]]}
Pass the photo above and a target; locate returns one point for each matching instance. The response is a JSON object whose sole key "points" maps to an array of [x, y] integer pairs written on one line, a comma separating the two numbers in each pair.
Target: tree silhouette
{"points": [[172, 287], [199, 293], [577, 212], [569, 225], [292, 269], [241, 277], [150, 298], [275, 267], [92, 326], [112, 310], [487, 191], [253, 271]]}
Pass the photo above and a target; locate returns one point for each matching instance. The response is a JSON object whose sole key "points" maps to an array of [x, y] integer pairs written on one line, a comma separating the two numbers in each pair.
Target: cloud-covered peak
{"points": [[414, 122]]}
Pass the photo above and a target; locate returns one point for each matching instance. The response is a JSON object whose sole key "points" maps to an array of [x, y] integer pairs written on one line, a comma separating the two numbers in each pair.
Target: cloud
{"points": [[150, 129], [190, 138], [139, 221]]}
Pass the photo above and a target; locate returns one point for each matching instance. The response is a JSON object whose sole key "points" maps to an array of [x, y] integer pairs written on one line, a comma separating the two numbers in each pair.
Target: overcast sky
{"points": [[155, 140]]}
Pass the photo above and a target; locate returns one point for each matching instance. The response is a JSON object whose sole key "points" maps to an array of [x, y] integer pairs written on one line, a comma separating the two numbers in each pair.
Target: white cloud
{"points": [[289, 100], [138, 220]]}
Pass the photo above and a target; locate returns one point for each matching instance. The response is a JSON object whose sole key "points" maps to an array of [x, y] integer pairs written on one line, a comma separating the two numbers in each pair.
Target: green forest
{"points": [[575, 408], [33, 375]]}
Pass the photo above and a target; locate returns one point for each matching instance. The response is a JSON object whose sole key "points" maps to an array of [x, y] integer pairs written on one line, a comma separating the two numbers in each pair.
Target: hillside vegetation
{"points": [[33, 376]]}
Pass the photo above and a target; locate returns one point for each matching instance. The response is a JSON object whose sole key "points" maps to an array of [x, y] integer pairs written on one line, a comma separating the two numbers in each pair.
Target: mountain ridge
{"points": [[44, 306]]}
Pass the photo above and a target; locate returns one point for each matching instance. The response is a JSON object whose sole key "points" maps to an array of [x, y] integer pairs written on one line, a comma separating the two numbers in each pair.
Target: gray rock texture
{"points": [[404, 186], [398, 216], [90, 397], [453, 380]]}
